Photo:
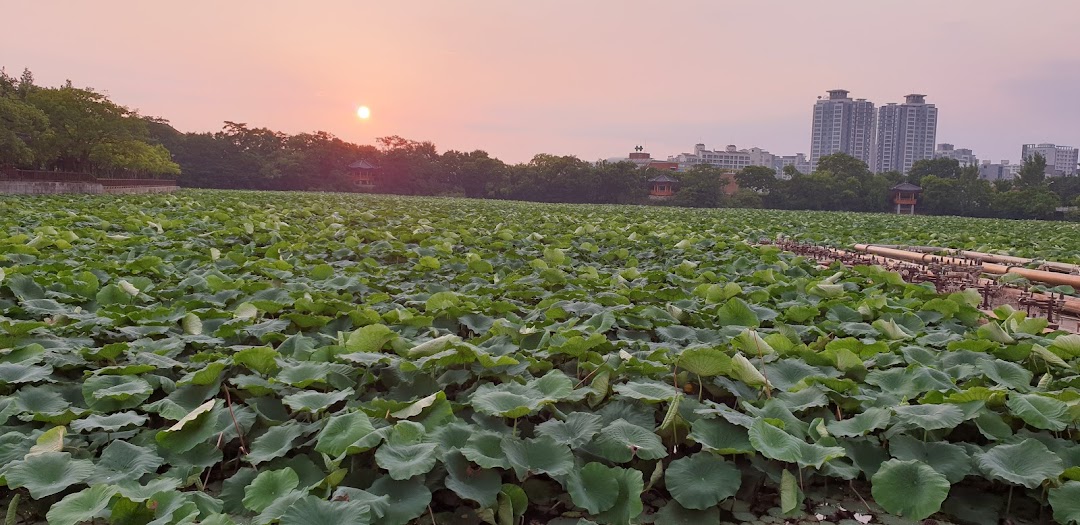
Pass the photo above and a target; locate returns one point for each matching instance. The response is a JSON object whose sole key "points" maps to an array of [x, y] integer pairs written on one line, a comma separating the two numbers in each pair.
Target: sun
{"points": [[363, 112]]}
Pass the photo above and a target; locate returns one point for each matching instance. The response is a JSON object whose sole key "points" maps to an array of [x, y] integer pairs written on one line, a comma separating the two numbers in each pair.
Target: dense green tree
{"points": [[757, 178], [410, 167], [26, 83], [938, 195], [1067, 188], [623, 182], [1033, 172], [965, 195], [7, 82], [564, 178], [133, 158], [80, 122], [74, 129], [1029, 202], [701, 187], [319, 161], [940, 168], [21, 126], [208, 160], [472, 173], [976, 195], [258, 158], [744, 198]]}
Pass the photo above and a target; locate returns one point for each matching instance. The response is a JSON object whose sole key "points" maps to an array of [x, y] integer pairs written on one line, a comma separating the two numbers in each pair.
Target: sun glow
{"points": [[363, 112]]}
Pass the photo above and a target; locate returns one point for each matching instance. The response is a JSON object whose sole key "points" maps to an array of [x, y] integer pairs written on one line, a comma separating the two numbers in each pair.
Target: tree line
{"points": [[844, 183], [79, 129], [75, 129]]}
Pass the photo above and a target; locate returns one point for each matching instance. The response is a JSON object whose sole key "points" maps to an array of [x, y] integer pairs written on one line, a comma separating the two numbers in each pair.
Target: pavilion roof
{"points": [[906, 186], [362, 165], [663, 178]]}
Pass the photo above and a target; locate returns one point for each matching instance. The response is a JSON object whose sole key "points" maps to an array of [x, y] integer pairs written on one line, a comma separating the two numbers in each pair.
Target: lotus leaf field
{"points": [[227, 357]]}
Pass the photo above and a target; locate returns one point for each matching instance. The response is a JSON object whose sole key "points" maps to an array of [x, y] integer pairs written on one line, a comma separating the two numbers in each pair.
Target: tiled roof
{"points": [[362, 165], [663, 178]]}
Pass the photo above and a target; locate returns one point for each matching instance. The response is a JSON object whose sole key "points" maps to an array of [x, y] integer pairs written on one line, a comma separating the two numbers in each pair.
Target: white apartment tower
{"points": [[1060, 160], [842, 125], [905, 133]]}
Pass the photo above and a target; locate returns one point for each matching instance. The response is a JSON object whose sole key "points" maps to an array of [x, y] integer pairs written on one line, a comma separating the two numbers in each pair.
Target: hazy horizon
{"points": [[588, 79]]}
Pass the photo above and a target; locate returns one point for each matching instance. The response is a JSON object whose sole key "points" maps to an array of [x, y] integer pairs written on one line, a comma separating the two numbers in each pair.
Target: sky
{"points": [[569, 77]]}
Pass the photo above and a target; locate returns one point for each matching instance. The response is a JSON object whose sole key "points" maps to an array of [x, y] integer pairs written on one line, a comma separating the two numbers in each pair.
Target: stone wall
{"points": [[129, 190], [19, 187], [49, 187]]}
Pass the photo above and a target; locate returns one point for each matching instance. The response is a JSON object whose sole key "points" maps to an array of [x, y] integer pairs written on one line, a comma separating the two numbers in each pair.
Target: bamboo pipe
{"points": [[1008, 259], [1042, 276], [1071, 306], [990, 257], [920, 249]]}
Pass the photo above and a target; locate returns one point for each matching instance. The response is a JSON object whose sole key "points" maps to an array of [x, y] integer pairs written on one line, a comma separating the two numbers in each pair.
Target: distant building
{"points": [[842, 125], [964, 156], [644, 160], [1060, 160], [730, 158], [799, 160], [1000, 171], [906, 133]]}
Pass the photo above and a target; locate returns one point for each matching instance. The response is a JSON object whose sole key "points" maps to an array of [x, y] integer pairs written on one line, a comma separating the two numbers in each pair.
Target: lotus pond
{"points": [[234, 357]]}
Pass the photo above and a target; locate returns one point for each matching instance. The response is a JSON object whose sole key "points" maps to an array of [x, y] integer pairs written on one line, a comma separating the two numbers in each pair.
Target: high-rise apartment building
{"points": [[1060, 160], [905, 133], [963, 155], [842, 125]]}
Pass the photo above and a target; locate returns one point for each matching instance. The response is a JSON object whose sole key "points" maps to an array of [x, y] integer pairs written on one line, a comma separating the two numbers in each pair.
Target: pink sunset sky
{"points": [[587, 78]]}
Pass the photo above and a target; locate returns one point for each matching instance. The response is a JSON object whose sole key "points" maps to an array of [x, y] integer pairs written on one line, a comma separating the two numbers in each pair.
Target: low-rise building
{"points": [[730, 158], [998, 171], [963, 155], [643, 159], [798, 160], [1060, 160]]}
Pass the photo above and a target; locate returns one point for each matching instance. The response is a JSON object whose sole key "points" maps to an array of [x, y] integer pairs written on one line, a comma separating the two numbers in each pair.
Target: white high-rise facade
{"points": [[1060, 160], [842, 125], [906, 133]]}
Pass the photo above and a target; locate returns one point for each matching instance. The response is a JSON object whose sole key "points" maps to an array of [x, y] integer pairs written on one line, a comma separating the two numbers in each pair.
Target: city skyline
{"points": [[517, 79]]}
